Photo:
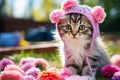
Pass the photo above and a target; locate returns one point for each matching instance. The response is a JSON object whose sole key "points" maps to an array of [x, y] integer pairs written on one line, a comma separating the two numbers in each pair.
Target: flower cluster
{"points": [[112, 71], [31, 69], [37, 69], [28, 70], [109, 70]]}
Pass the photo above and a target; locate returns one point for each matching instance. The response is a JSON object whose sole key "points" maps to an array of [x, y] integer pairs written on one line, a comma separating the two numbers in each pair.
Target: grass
{"points": [[112, 49], [52, 58]]}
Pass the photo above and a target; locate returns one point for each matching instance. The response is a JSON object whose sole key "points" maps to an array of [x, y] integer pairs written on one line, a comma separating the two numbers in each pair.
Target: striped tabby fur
{"points": [[75, 31]]}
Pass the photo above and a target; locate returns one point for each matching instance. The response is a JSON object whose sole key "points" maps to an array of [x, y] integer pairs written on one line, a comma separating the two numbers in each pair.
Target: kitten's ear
{"points": [[55, 16], [98, 14]]}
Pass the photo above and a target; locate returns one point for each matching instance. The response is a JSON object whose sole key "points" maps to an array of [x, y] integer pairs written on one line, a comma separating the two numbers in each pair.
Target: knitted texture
{"points": [[95, 15]]}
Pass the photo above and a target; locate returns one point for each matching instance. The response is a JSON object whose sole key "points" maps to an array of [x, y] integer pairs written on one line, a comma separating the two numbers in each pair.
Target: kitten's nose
{"points": [[74, 34]]}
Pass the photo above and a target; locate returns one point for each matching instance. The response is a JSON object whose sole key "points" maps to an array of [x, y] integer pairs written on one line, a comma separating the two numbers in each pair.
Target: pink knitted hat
{"points": [[95, 15]]}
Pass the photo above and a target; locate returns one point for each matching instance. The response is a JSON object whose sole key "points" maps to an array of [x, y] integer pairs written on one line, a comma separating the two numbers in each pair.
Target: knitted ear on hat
{"points": [[55, 16], [68, 4], [98, 14]]}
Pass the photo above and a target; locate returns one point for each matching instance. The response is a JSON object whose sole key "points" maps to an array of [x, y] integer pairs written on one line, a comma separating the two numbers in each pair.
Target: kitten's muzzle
{"points": [[74, 34]]}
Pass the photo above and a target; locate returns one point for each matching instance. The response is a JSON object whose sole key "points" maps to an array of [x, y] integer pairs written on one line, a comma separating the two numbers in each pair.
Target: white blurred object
{"points": [[20, 7]]}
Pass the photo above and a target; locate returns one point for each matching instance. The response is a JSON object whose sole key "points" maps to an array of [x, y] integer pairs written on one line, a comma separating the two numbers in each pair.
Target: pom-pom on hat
{"points": [[95, 15]]}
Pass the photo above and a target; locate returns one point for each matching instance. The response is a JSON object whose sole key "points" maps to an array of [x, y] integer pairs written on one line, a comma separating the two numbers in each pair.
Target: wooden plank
{"points": [[44, 47]]}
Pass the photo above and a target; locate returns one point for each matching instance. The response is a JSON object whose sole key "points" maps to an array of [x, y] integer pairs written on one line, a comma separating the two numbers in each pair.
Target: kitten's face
{"points": [[75, 27], [76, 33]]}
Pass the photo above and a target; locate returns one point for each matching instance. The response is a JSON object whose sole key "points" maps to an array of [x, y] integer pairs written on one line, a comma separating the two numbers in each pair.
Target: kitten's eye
{"points": [[82, 27], [68, 27]]}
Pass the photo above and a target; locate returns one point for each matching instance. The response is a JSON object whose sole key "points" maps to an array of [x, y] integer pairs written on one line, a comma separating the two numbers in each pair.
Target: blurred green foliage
{"points": [[112, 49], [112, 8], [89, 2]]}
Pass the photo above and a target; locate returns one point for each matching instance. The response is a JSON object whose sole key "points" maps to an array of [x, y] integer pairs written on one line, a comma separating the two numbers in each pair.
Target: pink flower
{"points": [[69, 3], [11, 75], [55, 16], [98, 14], [4, 62], [109, 70], [77, 77], [26, 60], [116, 76], [28, 78], [41, 63], [116, 60], [27, 66], [64, 73], [14, 67], [33, 72]]}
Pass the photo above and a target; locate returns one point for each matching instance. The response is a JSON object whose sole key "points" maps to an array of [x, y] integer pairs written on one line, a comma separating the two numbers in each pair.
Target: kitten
{"points": [[75, 31]]}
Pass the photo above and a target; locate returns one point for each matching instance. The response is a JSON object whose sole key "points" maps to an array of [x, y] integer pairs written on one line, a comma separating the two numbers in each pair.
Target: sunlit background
{"points": [[29, 9], [25, 26], [39, 10]]}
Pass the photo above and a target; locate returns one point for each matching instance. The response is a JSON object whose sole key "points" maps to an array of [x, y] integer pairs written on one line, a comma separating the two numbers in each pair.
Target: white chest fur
{"points": [[76, 48]]}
